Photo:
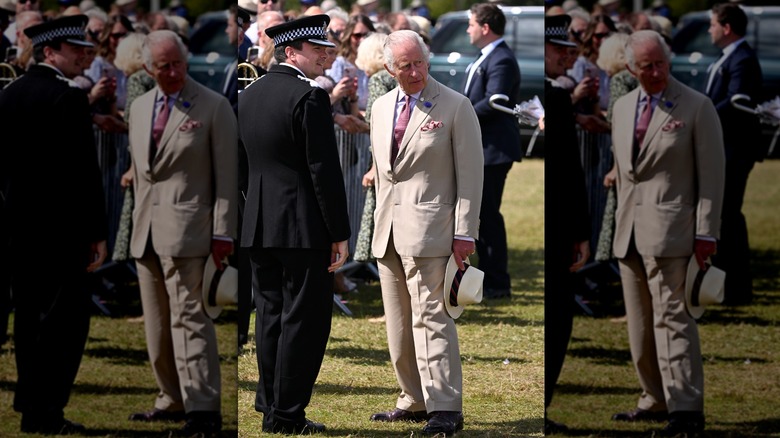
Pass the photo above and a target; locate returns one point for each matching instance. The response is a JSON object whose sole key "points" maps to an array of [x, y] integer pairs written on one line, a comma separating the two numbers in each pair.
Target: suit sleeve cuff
{"points": [[466, 238], [707, 238]]}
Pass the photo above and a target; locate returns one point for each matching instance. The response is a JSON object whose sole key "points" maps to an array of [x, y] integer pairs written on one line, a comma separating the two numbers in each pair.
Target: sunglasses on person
{"points": [[266, 1], [601, 35], [360, 35], [25, 1], [118, 35]]}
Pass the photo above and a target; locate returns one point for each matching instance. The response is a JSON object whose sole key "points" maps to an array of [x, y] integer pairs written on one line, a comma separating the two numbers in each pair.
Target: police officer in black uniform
{"points": [[49, 174], [295, 220]]}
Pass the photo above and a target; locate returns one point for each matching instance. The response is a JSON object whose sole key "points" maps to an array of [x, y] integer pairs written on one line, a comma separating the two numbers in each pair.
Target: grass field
{"points": [[115, 380], [501, 345], [740, 345]]}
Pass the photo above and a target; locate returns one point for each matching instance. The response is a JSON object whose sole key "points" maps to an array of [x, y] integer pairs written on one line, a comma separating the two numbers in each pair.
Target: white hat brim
{"points": [[469, 292], [710, 290]]}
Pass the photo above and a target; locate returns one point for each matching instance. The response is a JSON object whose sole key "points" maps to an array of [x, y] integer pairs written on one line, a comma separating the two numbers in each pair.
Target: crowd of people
{"points": [[680, 163]]}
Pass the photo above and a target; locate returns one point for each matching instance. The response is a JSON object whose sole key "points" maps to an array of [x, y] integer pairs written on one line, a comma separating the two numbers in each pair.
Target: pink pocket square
{"points": [[674, 124], [189, 125], [430, 126]]}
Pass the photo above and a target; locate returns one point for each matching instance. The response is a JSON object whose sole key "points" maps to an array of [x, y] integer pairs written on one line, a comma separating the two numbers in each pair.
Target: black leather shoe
{"points": [[400, 415], [446, 422], [158, 415], [307, 427], [202, 424], [686, 424], [552, 427], [59, 426], [639, 414]]}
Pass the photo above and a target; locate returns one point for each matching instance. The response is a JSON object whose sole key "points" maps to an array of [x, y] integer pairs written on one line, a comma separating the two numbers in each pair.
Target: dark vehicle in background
{"points": [[210, 50], [693, 51], [452, 52]]}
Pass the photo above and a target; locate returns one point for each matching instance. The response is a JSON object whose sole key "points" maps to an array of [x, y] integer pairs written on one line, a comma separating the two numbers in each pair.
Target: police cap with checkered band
{"points": [[312, 29], [556, 30], [68, 29]]}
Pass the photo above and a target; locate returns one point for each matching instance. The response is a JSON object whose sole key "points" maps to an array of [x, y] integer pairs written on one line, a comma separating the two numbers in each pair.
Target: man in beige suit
{"points": [[183, 140], [428, 190], [669, 155]]}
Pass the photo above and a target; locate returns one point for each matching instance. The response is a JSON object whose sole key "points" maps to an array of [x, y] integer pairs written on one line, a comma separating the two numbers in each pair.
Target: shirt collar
{"points": [[160, 95], [490, 47], [732, 47], [401, 96], [293, 67], [59, 72]]}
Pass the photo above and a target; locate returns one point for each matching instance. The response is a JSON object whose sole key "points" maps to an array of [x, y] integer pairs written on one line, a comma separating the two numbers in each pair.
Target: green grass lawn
{"points": [[501, 345], [740, 345], [115, 380]]}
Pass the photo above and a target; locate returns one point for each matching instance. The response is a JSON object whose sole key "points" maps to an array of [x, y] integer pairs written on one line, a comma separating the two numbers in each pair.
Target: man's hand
{"points": [[369, 177], [462, 249], [338, 255], [581, 254], [703, 249], [98, 253], [611, 177], [127, 178], [592, 123], [109, 123], [220, 250]]}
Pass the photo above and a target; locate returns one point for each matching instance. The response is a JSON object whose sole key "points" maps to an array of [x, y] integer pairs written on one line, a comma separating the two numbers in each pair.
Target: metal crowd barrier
{"points": [[355, 158], [596, 155], [114, 160]]}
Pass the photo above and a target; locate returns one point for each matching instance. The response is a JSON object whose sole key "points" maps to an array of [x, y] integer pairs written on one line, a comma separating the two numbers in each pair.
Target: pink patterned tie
{"points": [[644, 121], [400, 128], [159, 123]]}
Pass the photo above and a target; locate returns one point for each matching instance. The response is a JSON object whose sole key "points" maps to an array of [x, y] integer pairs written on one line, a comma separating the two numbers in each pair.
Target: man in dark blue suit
{"points": [[737, 71], [494, 72]]}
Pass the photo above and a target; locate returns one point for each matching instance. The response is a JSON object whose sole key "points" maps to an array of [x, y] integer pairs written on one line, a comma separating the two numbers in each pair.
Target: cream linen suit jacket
{"points": [[661, 201], [189, 192], [434, 189]]}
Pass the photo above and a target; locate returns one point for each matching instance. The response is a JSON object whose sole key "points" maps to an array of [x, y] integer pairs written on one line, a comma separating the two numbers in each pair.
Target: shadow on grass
{"points": [[231, 432], [602, 356], [763, 265], [568, 388], [518, 428], [361, 356], [119, 356], [10, 386]]}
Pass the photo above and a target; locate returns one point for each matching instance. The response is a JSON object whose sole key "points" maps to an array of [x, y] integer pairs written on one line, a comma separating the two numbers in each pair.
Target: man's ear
{"points": [[148, 71], [388, 70], [727, 29]]}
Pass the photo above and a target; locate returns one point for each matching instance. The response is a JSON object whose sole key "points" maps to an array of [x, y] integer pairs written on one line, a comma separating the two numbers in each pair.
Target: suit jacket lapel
{"points": [[420, 113], [181, 108], [661, 115]]}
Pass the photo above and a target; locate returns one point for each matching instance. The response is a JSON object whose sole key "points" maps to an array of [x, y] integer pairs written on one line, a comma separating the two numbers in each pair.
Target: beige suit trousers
{"points": [[180, 337], [664, 339], [421, 336]]}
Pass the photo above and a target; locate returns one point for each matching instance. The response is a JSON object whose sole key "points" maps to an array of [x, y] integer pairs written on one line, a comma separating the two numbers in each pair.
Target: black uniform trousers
{"points": [[491, 245], [51, 324], [294, 302], [733, 255]]}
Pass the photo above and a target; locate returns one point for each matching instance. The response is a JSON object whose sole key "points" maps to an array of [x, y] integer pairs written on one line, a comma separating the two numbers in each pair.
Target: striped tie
{"points": [[400, 128]]}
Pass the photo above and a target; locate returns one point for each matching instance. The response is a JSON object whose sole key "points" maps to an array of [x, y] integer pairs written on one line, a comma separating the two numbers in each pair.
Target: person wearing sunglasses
{"points": [[358, 28], [115, 29], [599, 28], [268, 5]]}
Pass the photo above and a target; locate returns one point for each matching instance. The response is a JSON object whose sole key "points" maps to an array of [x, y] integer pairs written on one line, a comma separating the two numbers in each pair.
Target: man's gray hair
{"points": [[400, 38], [643, 38], [158, 37], [97, 14]]}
